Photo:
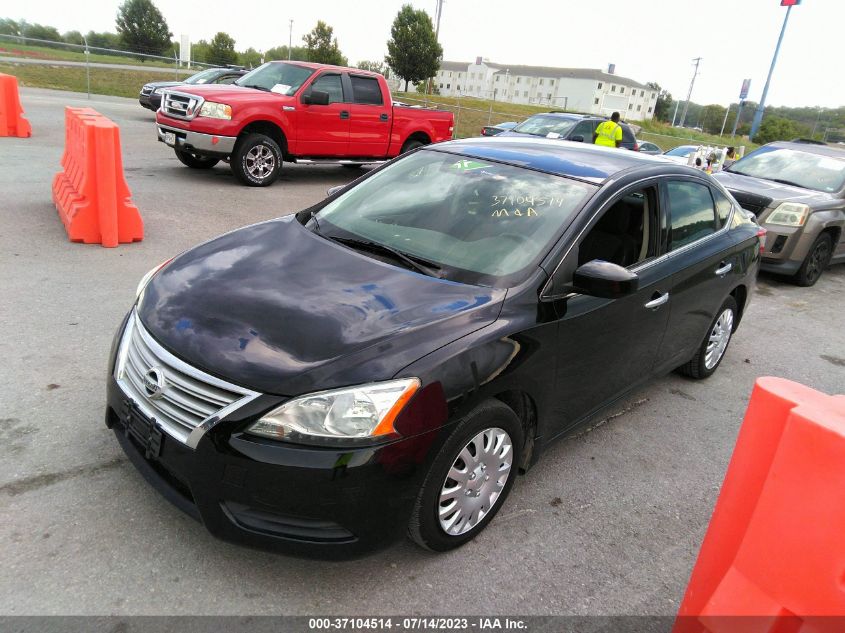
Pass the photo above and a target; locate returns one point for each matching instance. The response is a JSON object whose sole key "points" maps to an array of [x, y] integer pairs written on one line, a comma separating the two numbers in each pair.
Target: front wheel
{"points": [[195, 161], [712, 349], [816, 261], [257, 160], [470, 478]]}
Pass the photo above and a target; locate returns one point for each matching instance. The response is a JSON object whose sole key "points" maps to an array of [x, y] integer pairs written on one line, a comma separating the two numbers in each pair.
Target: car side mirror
{"points": [[603, 279], [577, 138], [333, 190], [316, 97]]}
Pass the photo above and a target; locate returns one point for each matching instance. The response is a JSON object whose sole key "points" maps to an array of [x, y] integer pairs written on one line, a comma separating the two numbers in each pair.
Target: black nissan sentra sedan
{"points": [[388, 360]]}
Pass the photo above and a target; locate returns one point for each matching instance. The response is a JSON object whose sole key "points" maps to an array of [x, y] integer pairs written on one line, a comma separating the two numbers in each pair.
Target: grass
{"points": [[104, 81], [667, 137], [13, 49]]}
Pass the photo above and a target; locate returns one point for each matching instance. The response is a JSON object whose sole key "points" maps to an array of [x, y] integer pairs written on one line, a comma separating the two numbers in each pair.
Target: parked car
{"points": [[797, 192], [493, 130], [295, 112], [569, 127], [681, 153], [386, 361], [150, 95], [649, 148]]}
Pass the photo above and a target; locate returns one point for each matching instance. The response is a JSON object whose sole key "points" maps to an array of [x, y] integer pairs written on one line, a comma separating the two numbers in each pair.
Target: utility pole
{"points": [[675, 116], [725, 122], [761, 107], [738, 115], [437, 13], [697, 61], [290, 38]]}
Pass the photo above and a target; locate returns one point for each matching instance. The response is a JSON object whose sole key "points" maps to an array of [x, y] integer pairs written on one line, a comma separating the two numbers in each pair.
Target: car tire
{"points": [[194, 161], [816, 261], [712, 350], [411, 144], [490, 435], [257, 160]]}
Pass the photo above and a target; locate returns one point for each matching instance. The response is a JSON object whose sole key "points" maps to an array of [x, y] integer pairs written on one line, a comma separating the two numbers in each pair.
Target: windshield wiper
{"points": [[255, 87], [417, 263]]}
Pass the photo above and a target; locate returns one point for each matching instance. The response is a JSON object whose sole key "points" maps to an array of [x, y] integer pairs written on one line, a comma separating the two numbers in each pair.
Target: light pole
{"points": [[761, 107], [697, 61], [290, 38], [88, 66]]}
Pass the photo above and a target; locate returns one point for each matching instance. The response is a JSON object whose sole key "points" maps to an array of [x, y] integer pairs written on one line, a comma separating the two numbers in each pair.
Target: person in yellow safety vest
{"points": [[609, 133]]}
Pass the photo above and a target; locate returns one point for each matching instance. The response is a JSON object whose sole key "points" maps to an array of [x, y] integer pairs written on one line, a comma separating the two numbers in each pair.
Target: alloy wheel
{"points": [[260, 162], [475, 481]]}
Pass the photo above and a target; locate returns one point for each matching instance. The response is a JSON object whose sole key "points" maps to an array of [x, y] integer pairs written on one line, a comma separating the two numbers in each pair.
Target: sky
{"points": [[650, 40]]}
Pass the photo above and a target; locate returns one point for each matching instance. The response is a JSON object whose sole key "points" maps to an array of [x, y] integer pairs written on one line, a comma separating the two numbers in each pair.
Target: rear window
{"points": [[366, 90], [691, 212]]}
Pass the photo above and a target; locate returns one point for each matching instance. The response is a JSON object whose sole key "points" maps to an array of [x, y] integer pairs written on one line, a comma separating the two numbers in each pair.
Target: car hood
{"points": [[774, 190], [222, 92], [276, 308], [162, 84]]}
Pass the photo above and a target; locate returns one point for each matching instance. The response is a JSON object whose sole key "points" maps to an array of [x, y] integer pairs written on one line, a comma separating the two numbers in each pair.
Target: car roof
{"points": [[562, 158], [317, 66], [810, 148]]}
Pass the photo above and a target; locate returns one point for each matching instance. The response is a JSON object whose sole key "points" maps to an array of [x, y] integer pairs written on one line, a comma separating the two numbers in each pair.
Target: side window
{"points": [[584, 129], [723, 207], [330, 84], [691, 212], [366, 90], [227, 79], [624, 233]]}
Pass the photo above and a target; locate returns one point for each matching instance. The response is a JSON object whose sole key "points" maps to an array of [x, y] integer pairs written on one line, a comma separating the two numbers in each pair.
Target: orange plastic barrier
{"points": [[90, 193], [12, 122], [774, 552]]}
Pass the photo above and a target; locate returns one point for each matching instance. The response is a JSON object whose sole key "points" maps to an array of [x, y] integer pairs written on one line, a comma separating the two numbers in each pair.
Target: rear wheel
{"points": [[470, 478], [257, 160], [712, 349], [411, 144], [195, 161], [816, 261]]}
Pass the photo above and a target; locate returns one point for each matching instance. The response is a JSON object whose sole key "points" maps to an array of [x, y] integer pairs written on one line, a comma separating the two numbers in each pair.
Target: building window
{"points": [[622, 90], [649, 110], [630, 106], [458, 88], [441, 85], [642, 93], [448, 86], [639, 108], [497, 77], [524, 93], [612, 88], [597, 101], [518, 79], [549, 96], [600, 85], [552, 82]]}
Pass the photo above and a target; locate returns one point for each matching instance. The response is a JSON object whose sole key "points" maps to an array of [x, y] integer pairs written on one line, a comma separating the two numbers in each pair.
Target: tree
{"points": [[40, 32], [73, 37], [663, 105], [142, 27], [374, 66], [298, 53], [775, 128], [103, 40], [221, 50], [712, 117], [250, 58], [412, 50], [200, 51], [322, 46], [9, 27]]}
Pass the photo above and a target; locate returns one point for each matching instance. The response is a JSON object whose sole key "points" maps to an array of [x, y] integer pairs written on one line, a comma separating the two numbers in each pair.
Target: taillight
{"points": [[636, 147], [484, 131], [761, 236]]}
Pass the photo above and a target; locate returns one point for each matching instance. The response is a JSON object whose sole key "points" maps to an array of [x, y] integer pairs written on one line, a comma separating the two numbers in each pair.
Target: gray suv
{"points": [[797, 191]]}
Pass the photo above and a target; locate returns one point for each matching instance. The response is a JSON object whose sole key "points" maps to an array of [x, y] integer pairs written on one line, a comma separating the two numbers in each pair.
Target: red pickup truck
{"points": [[296, 112]]}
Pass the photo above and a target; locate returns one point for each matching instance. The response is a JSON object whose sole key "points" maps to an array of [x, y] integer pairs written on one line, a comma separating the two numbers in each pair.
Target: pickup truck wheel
{"points": [[411, 144], [257, 160], [195, 161], [816, 261]]}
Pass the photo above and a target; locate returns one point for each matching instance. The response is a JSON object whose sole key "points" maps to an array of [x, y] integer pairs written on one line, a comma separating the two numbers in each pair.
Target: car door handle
{"points": [[657, 301], [724, 269], [383, 117], [344, 114]]}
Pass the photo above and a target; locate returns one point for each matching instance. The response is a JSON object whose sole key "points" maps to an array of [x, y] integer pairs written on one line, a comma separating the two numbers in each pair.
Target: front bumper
{"points": [[310, 501], [210, 144]]}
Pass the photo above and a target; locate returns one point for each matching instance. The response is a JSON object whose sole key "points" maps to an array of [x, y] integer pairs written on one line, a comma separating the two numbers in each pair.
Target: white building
{"points": [[584, 90]]}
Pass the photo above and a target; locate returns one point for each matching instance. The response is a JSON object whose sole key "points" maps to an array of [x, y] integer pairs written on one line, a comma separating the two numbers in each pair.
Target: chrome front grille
{"points": [[183, 400], [180, 106]]}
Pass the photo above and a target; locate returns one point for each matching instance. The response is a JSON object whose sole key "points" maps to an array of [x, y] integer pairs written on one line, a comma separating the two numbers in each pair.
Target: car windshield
{"points": [[202, 77], [476, 220], [682, 151], [543, 125], [793, 167], [276, 77]]}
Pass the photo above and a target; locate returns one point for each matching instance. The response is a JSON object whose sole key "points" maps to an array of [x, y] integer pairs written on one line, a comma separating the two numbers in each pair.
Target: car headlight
{"points": [[789, 214], [158, 91], [139, 291], [216, 110], [351, 414]]}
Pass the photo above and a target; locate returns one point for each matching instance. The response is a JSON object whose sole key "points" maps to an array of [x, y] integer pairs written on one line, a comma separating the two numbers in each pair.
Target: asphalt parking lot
{"points": [[609, 522]]}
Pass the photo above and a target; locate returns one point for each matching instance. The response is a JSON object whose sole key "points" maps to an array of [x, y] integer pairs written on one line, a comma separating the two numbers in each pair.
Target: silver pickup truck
{"points": [[797, 191]]}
